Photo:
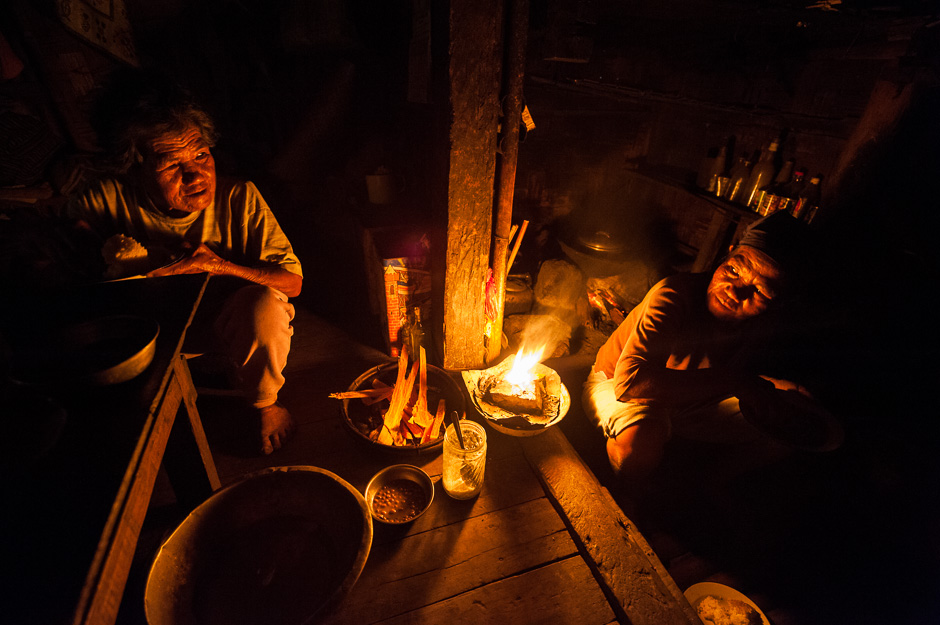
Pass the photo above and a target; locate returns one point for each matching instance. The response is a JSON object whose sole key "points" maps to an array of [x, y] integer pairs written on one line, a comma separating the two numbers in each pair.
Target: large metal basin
{"points": [[283, 546]]}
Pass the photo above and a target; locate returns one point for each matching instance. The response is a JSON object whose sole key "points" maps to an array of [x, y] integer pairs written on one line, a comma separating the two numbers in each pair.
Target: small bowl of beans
{"points": [[399, 494]]}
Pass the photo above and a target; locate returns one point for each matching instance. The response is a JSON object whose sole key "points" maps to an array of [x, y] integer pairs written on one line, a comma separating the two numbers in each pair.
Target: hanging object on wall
{"points": [[569, 36], [102, 23]]}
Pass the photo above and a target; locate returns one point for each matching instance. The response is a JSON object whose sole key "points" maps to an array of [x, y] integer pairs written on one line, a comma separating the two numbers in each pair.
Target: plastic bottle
{"points": [[739, 175], [808, 201], [761, 176]]}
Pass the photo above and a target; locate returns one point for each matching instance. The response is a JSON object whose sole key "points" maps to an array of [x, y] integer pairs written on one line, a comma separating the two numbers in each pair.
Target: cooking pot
{"points": [[598, 253]]}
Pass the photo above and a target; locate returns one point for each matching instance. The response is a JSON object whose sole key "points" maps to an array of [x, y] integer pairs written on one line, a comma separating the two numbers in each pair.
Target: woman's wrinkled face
{"points": [[179, 172], [744, 285]]}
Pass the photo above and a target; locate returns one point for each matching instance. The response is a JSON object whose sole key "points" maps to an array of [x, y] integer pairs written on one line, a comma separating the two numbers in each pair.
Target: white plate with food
{"points": [[717, 604], [126, 259]]}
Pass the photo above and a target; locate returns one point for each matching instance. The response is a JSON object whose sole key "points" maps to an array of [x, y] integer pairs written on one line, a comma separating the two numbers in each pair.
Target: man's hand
{"points": [[204, 260], [201, 260], [787, 385]]}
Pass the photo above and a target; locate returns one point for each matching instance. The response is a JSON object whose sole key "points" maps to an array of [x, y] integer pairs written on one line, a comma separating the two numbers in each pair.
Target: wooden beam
{"points": [[517, 25], [473, 85], [638, 586]]}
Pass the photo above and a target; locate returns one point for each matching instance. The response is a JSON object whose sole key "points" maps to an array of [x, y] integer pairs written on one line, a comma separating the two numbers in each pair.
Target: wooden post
{"points": [[517, 24], [473, 90]]}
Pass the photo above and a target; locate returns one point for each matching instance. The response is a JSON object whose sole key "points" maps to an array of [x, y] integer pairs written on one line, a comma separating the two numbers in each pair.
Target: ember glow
{"points": [[522, 373]]}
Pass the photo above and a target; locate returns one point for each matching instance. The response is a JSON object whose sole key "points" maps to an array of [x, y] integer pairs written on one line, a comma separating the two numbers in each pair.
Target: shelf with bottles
{"points": [[761, 185]]}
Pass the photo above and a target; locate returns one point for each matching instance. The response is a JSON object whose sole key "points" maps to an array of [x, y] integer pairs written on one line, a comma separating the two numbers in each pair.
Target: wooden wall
{"points": [[665, 83]]}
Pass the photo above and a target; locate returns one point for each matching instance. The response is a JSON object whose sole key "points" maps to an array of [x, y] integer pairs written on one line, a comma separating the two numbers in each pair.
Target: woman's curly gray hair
{"points": [[134, 107]]}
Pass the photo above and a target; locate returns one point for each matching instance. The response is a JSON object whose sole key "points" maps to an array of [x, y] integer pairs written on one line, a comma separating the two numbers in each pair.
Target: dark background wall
{"points": [[311, 96]]}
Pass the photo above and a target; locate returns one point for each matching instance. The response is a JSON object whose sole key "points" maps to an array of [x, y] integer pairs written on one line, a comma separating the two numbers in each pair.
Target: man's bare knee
{"points": [[638, 450]]}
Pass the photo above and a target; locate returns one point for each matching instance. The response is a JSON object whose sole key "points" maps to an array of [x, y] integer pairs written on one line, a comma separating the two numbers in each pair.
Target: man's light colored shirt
{"points": [[238, 225]]}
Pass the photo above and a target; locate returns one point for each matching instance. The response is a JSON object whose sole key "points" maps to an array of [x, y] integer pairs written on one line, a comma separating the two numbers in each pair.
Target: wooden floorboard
{"points": [[454, 559], [565, 593]]}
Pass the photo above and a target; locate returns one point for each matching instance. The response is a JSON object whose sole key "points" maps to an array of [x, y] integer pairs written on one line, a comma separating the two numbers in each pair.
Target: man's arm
{"points": [[204, 260], [652, 383], [658, 323]]}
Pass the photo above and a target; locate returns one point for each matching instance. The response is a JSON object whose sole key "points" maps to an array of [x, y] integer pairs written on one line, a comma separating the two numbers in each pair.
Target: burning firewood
{"points": [[390, 434], [517, 399], [368, 395], [434, 428], [407, 420]]}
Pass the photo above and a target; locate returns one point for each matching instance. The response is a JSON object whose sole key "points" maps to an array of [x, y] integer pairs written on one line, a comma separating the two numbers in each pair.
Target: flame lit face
{"points": [[179, 172], [522, 373], [743, 286]]}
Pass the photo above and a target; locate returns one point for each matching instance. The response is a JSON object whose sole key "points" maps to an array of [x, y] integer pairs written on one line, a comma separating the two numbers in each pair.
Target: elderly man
{"points": [[166, 196], [679, 359]]}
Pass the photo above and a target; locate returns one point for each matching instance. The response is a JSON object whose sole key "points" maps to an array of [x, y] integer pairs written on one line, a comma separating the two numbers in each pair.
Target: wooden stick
{"points": [[515, 247], [512, 232], [400, 397], [420, 414], [433, 430], [366, 393]]}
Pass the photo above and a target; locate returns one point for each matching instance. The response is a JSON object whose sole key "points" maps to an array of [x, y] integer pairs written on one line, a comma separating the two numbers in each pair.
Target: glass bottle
{"points": [[787, 194], [808, 201], [772, 196], [761, 177], [717, 171], [416, 332], [739, 175]]}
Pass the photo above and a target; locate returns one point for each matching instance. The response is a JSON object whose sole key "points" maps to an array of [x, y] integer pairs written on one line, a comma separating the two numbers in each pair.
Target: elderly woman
{"points": [[678, 359], [166, 196]]}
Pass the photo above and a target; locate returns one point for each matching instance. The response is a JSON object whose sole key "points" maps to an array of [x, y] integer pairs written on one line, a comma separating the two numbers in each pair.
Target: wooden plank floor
{"points": [[511, 557], [490, 559]]}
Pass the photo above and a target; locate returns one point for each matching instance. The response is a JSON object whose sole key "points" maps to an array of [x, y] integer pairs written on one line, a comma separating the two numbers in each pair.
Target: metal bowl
{"points": [[97, 352], [477, 383], [361, 419], [283, 545], [398, 513]]}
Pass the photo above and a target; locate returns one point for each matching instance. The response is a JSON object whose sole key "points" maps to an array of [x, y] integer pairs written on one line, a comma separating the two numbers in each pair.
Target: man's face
{"points": [[743, 286], [179, 172]]}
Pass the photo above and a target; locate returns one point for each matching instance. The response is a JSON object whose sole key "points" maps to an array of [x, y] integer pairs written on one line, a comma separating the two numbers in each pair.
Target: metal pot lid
{"points": [[601, 241]]}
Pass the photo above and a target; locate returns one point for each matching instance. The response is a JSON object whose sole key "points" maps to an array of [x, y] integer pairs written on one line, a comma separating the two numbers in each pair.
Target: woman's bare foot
{"points": [[276, 427]]}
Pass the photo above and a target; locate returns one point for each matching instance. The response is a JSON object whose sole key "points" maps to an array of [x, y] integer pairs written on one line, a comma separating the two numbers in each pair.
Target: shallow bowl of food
{"points": [[399, 494], [283, 545], [719, 604], [364, 416]]}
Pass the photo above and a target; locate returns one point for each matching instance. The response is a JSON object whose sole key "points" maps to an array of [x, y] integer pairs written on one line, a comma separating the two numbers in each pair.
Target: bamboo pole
{"points": [[515, 247], [514, 73]]}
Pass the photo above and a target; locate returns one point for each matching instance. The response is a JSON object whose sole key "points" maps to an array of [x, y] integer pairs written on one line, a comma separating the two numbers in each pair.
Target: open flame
{"points": [[522, 373]]}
